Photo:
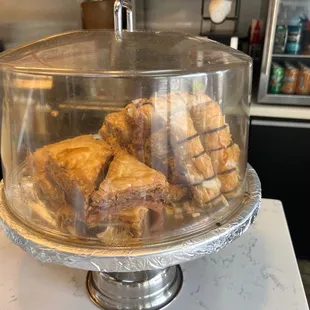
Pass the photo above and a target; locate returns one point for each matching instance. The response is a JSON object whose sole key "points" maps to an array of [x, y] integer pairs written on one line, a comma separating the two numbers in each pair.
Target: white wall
{"points": [[182, 15], [25, 20], [249, 10], [185, 14]]}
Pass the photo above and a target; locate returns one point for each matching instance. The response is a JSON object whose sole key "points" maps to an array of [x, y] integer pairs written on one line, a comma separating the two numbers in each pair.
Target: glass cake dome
{"points": [[122, 142]]}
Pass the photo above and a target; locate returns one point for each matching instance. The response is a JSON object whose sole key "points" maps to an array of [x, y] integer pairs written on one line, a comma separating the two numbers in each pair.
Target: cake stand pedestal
{"points": [[142, 277], [134, 290]]}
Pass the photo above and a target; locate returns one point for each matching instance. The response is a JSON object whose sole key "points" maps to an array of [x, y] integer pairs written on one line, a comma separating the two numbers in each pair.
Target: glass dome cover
{"points": [[138, 53], [122, 142]]}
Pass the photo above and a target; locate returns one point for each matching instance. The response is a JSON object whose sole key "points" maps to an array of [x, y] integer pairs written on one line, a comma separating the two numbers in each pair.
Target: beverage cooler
{"points": [[285, 72]]}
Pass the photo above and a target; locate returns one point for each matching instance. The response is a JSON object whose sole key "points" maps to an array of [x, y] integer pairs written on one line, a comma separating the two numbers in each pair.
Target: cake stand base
{"points": [[150, 290]]}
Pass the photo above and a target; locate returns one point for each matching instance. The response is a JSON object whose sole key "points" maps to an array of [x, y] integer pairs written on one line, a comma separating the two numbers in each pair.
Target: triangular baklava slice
{"points": [[72, 168], [129, 183]]}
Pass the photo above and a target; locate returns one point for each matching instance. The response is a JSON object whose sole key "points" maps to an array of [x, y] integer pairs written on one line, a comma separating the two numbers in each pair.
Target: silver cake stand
{"points": [[142, 277]]}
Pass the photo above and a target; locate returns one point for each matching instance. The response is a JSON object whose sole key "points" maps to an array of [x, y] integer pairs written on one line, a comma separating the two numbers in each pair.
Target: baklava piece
{"points": [[140, 115], [216, 138], [176, 193], [129, 183], [43, 187], [116, 126], [194, 160], [72, 169]]}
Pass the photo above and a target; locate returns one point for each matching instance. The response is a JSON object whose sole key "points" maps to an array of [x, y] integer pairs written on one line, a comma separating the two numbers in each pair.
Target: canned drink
{"points": [[276, 78], [303, 83], [289, 84]]}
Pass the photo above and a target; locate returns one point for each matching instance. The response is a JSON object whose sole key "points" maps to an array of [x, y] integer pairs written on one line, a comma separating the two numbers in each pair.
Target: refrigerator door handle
{"points": [[287, 124], [270, 35]]}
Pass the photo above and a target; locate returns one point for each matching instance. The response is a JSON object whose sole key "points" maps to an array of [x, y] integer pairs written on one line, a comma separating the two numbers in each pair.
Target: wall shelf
{"points": [[289, 56]]}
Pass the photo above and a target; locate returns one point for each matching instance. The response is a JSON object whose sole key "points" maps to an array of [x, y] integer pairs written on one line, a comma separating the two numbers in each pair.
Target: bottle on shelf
{"points": [[255, 46], [255, 40], [295, 28], [281, 33], [305, 43]]}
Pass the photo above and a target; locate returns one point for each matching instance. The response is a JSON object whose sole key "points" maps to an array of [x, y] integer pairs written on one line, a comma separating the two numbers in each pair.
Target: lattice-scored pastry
{"points": [[208, 193], [187, 148], [216, 139], [194, 160], [193, 100], [229, 179], [168, 105], [207, 116], [225, 159], [186, 143]]}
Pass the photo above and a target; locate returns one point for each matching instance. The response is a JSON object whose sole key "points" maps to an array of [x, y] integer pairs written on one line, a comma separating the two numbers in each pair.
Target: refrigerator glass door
{"points": [[285, 71]]}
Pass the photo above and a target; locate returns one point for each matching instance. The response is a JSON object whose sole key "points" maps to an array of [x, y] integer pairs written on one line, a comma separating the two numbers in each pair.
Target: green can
{"points": [[276, 78]]}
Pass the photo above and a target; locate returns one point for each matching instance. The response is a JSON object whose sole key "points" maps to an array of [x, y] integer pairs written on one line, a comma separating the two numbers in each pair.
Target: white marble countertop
{"points": [[258, 271], [279, 111]]}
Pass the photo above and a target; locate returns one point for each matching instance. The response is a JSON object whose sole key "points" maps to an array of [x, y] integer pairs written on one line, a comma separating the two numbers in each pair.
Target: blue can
{"points": [[293, 44]]}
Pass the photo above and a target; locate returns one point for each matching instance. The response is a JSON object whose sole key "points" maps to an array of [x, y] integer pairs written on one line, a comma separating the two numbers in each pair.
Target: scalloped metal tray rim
{"points": [[117, 259]]}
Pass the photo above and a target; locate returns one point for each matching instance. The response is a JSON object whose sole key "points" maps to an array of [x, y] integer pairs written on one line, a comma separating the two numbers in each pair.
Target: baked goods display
{"points": [[165, 156]]}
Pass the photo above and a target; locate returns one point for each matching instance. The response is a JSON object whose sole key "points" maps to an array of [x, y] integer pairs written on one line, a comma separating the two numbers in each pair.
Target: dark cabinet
{"points": [[279, 150]]}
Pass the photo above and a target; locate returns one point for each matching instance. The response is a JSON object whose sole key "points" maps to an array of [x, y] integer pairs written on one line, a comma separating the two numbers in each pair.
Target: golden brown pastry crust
{"points": [[167, 106], [83, 159], [129, 182], [195, 99], [229, 180], [135, 220], [142, 119], [116, 126], [207, 196], [188, 147], [225, 159], [69, 221], [192, 157], [183, 135], [160, 144], [207, 116], [143, 152], [216, 139], [176, 174], [98, 217], [72, 168], [141, 221], [177, 193]]}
